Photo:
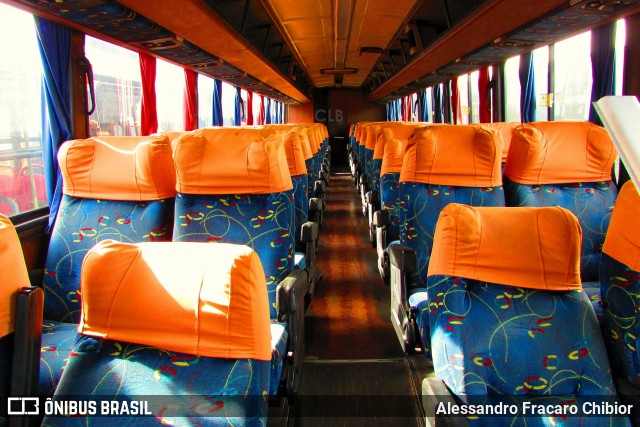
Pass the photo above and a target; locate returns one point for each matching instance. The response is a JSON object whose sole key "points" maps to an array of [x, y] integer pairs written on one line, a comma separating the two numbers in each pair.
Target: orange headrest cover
{"points": [[623, 237], [560, 152], [118, 168], [506, 130], [202, 299], [536, 248], [462, 155], [393, 141], [400, 130], [231, 161], [14, 274]]}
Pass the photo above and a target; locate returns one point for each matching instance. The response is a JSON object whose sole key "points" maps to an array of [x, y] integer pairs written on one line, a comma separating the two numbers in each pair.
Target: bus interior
{"points": [[319, 213]]}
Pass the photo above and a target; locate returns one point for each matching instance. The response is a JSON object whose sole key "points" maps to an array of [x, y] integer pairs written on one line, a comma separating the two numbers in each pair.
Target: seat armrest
{"points": [[290, 296], [381, 218], [319, 189], [309, 237], [316, 207], [309, 232], [403, 258], [27, 339], [434, 392]]}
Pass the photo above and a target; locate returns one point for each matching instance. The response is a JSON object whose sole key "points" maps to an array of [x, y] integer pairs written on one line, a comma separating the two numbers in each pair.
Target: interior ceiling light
{"points": [[338, 71]]}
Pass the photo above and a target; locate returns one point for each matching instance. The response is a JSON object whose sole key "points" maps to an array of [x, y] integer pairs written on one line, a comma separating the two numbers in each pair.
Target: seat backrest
{"points": [[120, 188], [508, 315], [205, 331], [620, 284], [234, 186], [14, 278], [391, 143], [442, 165], [297, 148], [565, 164], [506, 130]]}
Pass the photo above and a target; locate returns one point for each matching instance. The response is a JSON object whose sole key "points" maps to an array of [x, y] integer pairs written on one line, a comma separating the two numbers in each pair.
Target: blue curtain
{"points": [[423, 106], [398, 110], [282, 119], [237, 111], [276, 111], [527, 89], [437, 104], [603, 61], [54, 44], [387, 111], [217, 103], [267, 111]]}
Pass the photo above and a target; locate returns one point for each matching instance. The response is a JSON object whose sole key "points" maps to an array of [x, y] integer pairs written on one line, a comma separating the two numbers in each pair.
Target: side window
{"points": [[572, 77], [541, 71], [512, 89], [118, 88], [169, 96], [22, 186], [205, 101]]}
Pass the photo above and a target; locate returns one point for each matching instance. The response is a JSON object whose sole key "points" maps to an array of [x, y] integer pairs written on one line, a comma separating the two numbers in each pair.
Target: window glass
{"points": [[205, 101], [463, 88], [474, 96], [512, 89], [22, 185], [169, 96], [572, 78], [118, 89], [541, 72], [228, 103]]}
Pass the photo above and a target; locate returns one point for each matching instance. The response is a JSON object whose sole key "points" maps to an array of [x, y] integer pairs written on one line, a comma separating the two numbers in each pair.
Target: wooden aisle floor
{"points": [[355, 372]]}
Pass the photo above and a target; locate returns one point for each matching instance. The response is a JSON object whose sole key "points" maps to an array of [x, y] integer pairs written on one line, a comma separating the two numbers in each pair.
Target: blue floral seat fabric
{"points": [[186, 355], [127, 194], [80, 224], [620, 285], [537, 340], [58, 342], [565, 164], [223, 205]]}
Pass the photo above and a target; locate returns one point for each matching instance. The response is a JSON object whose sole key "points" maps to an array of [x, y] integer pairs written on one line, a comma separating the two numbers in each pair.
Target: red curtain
{"points": [[408, 107], [485, 99], [249, 108], [456, 106], [149, 119], [260, 119], [190, 100]]}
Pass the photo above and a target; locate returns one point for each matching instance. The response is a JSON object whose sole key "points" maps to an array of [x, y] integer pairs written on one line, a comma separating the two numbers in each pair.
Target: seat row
{"points": [[237, 185], [555, 164]]}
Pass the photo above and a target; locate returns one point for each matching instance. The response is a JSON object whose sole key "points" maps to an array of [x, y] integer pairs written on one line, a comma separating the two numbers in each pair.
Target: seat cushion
{"points": [[58, 340], [279, 338], [230, 390]]}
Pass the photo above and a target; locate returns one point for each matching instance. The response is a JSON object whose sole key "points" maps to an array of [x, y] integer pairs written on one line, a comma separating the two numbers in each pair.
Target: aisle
{"points": [[349, 315], [355, 372]]}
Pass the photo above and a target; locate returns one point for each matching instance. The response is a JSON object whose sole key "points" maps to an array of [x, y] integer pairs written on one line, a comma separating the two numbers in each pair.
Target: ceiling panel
{"points": [[319, 42]]}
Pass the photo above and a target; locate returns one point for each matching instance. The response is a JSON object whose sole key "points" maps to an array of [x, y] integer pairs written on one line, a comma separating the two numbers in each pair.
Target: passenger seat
{"points": [[119, 188], [510, 322], [182, 327]]}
